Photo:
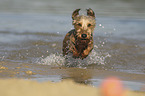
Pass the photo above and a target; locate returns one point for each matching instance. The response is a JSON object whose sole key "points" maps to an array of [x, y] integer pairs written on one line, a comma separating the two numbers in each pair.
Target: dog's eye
{"points": [[79, 24], [89, 25]]}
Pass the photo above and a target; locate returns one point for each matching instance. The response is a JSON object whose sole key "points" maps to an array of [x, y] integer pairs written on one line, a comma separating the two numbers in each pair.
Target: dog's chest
{"points": [[81, 45]]}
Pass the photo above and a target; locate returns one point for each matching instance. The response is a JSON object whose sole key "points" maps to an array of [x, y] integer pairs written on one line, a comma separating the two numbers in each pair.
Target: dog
{"points": [[79, 41]]}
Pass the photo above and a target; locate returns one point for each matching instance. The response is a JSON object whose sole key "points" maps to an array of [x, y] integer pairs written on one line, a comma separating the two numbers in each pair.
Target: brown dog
{"points": [[79, 41]]}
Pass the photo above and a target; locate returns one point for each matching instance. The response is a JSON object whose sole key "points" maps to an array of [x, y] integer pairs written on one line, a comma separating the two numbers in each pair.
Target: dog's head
{"points": [[84, 25]]}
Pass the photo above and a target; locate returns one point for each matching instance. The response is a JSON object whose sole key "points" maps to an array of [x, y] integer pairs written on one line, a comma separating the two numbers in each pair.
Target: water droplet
{"points": [[95, 46], [103, 43], [54, 45], [27, 53], [100, 25]]}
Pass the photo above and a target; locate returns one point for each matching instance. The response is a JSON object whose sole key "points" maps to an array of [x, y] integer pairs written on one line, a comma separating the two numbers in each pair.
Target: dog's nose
{"points": [[84, 35]]}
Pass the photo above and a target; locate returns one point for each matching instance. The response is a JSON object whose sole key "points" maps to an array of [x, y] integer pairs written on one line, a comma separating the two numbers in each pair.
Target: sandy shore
{"points": [[10, 86], [20, 87]]}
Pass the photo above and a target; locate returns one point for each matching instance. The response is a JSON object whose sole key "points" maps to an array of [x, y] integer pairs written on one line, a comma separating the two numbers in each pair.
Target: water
{"points": [[33, 34], [31, 37]]}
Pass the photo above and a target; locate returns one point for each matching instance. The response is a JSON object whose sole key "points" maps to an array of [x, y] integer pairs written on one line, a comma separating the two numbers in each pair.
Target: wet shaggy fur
{"points": [[79, 41]]}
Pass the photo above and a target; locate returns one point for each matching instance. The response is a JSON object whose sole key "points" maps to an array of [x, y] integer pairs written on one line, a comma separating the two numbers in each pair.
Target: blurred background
{"points": [[131, 8]]}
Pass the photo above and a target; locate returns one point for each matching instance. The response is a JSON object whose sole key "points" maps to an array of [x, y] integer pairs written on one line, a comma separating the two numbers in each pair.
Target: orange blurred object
{"points": [[112, 86]]}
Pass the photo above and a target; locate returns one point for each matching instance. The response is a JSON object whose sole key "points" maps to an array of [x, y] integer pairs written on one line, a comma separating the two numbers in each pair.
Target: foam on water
{"points": [[52, 59], [58, 59]]}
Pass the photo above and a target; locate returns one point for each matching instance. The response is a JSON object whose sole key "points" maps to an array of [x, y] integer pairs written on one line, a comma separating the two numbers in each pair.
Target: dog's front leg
{"points": [[75, 52], [87, 51]]}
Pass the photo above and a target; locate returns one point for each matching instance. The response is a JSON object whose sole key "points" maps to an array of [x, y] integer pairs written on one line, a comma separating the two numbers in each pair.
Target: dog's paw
{"points": [[76, 55], [84, 54]]}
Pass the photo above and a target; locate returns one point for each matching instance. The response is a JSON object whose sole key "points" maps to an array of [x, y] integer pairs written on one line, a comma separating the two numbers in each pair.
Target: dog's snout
{"points": [[84, 35]]}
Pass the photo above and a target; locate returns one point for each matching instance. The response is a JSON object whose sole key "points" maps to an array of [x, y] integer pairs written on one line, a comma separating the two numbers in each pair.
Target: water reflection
{"points": [[82, 76]]}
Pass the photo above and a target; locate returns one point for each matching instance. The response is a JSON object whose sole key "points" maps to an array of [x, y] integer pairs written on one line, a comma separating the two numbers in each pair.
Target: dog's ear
{"points": [[90, 12], [75, 13]]}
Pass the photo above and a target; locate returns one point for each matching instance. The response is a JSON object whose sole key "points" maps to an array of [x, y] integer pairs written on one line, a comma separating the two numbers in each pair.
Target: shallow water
{"points": [[35, 37], [118, 42]]}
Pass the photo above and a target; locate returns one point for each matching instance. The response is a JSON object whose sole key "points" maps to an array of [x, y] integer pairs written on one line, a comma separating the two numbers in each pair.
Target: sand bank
{"points": [[21, 87]]}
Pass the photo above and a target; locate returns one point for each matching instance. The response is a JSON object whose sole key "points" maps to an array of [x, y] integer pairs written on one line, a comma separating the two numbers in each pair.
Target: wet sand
{"points": [[24, 70], [13, 80]]}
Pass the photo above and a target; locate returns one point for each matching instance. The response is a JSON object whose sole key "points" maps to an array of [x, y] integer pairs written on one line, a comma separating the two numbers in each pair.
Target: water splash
{"points": [[52, 59], [95, 57], [58, 59]]}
